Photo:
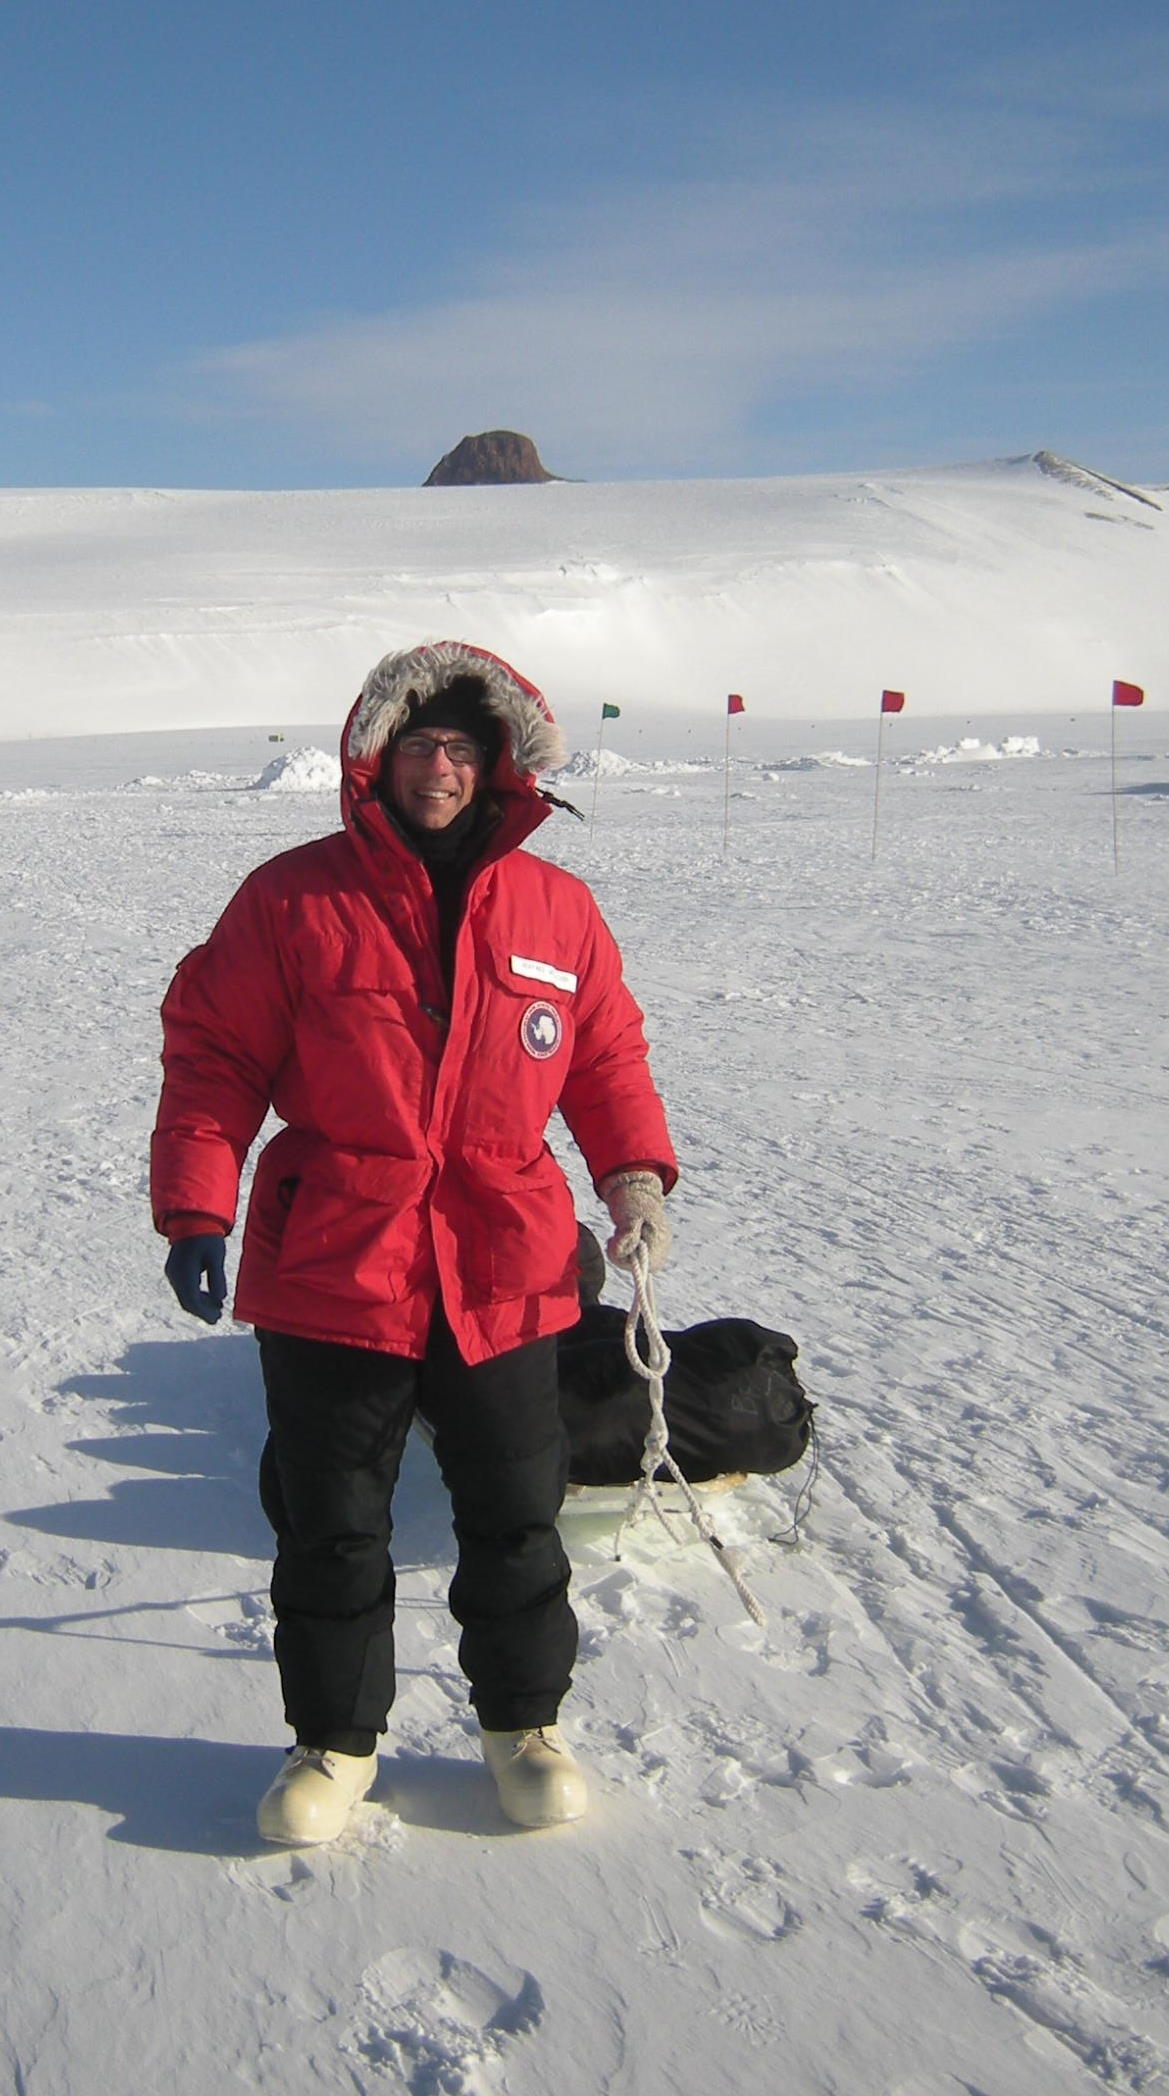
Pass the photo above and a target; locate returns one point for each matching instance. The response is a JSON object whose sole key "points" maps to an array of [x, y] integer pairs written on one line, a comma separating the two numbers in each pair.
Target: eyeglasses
{"points": [[459, 750]]}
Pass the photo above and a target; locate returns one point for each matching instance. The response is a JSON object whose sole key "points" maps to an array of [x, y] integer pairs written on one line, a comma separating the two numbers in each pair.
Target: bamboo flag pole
{"points": [[735, 704], [891, 702], [608, 712], [1122, 695]]}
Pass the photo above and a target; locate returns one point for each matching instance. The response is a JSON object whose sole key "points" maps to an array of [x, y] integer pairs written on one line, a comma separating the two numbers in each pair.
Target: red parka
{"points": [[413, 1162]]}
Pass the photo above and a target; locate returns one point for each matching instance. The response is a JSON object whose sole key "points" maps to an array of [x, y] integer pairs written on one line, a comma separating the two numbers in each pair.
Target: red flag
{"points": [[735, 703], [892, 701], [1127, 694]]}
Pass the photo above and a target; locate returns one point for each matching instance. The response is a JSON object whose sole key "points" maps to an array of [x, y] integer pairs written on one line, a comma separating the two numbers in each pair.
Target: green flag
{"points": [[610, 712]]}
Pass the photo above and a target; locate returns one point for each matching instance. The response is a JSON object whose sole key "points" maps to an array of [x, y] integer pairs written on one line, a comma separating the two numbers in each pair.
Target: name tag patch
{"points": [[542, 971], [541, 1030]]}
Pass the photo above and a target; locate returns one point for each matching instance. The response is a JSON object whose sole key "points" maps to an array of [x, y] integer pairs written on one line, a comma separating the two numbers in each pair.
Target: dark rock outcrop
{"points": [[495, 458], [1049, 462]]}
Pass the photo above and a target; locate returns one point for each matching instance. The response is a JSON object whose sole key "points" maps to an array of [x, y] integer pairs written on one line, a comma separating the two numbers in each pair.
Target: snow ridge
{"points": [[1085, 477], [978, 589]]}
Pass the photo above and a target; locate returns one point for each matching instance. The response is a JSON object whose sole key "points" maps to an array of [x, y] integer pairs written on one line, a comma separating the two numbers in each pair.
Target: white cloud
{"points": [[614, 369], [650, 330]]}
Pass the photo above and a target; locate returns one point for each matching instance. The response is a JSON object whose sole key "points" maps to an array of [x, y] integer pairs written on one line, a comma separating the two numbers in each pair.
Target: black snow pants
{"points": [[338, 1418]]}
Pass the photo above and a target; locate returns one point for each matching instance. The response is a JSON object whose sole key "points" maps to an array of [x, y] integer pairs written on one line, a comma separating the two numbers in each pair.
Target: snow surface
{"points": [[910, 1839], [1022, 586]]}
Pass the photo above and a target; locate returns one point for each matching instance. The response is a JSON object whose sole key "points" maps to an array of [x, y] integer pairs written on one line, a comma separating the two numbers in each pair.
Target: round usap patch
{"points": [[541, 1030]]}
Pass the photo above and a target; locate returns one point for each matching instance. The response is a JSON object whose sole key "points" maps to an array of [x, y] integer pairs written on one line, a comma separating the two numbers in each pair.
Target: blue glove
{"points": [[189, 1260]]}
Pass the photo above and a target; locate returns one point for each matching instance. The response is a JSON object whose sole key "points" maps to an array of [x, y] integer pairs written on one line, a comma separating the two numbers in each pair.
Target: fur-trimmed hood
{"points": [[532, 738]]}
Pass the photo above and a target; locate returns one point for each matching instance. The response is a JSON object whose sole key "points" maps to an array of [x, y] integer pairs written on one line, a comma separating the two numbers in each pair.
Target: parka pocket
{"points": [[522, 1235], [354, 1226]]}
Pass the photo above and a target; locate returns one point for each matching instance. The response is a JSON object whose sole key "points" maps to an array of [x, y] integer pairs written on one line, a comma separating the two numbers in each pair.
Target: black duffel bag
{"points": [[733, 1400]]}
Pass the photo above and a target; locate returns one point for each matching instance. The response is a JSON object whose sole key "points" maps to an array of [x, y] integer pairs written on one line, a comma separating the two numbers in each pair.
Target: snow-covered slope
{"points": [[910, 1840], [1024, 585]]}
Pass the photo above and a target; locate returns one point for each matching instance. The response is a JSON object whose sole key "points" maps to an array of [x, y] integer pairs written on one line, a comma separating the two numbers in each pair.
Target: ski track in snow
{"points": [[910, 1838]]}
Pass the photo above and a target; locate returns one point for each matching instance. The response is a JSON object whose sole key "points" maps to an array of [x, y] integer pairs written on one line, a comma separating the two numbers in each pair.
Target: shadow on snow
{"points": [[198, 1796], [191, 1412]]}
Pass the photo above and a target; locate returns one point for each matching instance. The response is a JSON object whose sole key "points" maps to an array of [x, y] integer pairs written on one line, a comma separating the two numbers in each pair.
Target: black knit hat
{"points": [[460, 705]]}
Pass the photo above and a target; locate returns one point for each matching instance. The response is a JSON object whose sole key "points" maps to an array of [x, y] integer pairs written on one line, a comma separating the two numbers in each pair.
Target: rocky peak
{"points": [[495, 458], [1077, 476]]}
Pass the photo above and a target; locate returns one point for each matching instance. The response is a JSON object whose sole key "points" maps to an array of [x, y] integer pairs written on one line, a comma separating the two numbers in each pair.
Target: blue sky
{"points": [[304, 245]]}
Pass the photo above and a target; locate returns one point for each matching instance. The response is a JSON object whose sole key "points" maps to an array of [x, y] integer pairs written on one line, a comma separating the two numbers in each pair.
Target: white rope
{"points": [[656, 1453]]}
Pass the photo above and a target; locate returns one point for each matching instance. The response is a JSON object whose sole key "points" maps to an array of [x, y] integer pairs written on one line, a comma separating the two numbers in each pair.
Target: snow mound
{"points": [[198, 781], [971, 751], [826, 760], [306, 770], [693, 766], [583, 765]]}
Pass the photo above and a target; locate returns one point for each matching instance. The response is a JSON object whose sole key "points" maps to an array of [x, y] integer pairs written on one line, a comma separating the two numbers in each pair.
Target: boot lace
{"points": [[312, 1757]]}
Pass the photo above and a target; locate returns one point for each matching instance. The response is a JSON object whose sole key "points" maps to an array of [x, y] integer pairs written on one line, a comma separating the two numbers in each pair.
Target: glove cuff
{"points": [[631, 1175]]}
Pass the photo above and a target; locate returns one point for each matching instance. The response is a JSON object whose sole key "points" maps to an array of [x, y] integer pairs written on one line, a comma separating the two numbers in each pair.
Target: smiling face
{"points": [[433, 776]]}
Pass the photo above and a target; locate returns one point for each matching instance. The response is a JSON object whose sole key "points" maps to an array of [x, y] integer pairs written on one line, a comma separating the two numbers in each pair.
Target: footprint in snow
{"points": [[750, 2019], [871, 1766], [245, 1620], [744, 1896], [1058, 1997], [1018, 1790], [437, 2025], [728, 1779], [286, 1875], [895, 1892], [59, 1571], [1124, 1627], [335, 1870], [681, 1620]]}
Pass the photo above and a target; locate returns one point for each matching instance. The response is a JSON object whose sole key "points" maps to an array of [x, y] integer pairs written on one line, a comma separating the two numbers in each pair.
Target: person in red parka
{"points": [[413, 996]]}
